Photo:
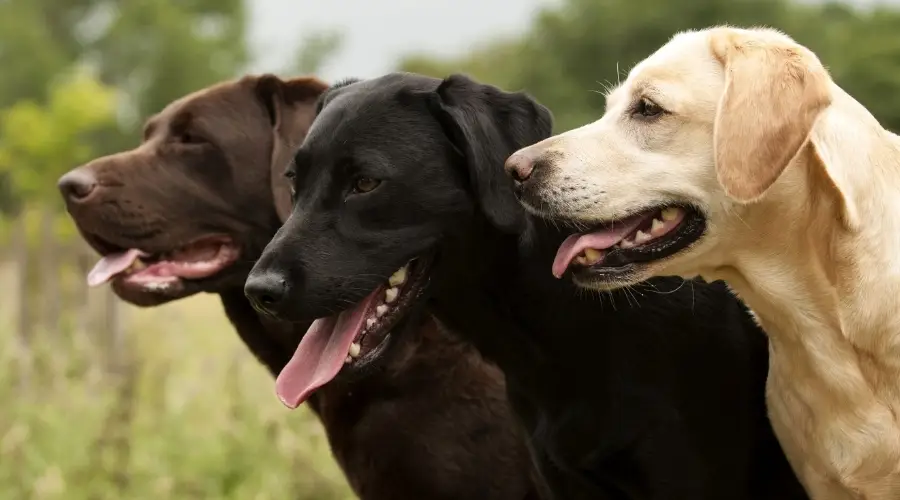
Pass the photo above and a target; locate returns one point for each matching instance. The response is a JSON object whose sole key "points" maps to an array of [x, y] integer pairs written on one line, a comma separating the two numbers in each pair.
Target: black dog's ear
{"points": [[290, 105], [487, 125]]}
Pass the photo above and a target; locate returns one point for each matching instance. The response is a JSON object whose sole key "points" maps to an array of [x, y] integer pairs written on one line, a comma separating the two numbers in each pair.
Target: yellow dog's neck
{"points": [[824, 282]]}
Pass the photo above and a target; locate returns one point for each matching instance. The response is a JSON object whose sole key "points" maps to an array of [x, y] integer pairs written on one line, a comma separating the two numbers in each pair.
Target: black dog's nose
{"points": [[520, 166], [77, 184], [266, 291]]}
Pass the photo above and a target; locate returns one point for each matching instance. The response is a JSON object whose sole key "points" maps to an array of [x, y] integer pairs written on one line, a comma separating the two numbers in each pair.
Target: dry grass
{"points": [[190, 415]]}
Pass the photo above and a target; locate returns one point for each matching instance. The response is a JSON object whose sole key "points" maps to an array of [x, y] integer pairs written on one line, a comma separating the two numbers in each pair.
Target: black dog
{"points": [[401, 204]]}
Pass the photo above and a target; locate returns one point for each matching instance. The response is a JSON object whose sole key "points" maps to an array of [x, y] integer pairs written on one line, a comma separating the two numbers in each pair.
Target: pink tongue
{"points": [[112, 265], [321, 353], [598, 240]]}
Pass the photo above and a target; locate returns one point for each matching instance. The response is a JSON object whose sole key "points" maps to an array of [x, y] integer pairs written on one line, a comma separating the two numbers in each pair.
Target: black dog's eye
{"points": [[365, 184], [647, 108], [289, 175]]}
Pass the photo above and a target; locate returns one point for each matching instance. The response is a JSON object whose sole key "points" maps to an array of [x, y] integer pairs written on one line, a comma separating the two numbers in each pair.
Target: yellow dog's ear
{"points": [[774, 91]]}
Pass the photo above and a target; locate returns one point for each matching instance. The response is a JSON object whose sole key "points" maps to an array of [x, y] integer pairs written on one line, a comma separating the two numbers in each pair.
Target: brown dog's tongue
{"points": [[111, 265], [321, 353]]}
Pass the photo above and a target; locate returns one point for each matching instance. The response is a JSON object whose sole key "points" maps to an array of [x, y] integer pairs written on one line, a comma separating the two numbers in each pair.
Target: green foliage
{"points": [[150, 51], [188, 416], [574, 52], [38, 143], [159, 50]]}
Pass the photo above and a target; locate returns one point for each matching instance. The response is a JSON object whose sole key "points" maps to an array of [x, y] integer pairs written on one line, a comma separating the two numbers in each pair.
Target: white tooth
{"points": [[354, 350], [626, 243], [642, 237], [592, 256], [398, 278], [370, 322], [657, 227], [670, 213], [580, 260], [390, 295], [349, 359], [380, 310]]}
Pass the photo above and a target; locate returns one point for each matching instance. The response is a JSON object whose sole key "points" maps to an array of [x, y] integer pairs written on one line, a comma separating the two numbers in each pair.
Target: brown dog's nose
{"points": [[77, 184], [519, 166]]}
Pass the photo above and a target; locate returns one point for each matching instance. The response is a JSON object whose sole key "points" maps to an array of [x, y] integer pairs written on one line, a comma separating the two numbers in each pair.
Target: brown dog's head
{"points": [[194, 204]]}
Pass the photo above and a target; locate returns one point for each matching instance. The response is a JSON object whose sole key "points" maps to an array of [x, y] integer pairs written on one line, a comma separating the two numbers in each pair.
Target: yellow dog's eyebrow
{"points": [[643, 88]]}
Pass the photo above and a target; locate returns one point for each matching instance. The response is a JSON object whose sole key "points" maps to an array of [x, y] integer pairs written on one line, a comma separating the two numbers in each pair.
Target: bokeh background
{"points": [[99, 400]]}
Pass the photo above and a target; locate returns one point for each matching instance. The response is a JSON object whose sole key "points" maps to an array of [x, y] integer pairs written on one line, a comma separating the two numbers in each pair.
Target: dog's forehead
{"points": [[203, 108], [681, 71], [378, 108]]}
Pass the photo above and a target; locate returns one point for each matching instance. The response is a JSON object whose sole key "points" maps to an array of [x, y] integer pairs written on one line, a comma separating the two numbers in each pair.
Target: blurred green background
{"points": [[101, 400]]}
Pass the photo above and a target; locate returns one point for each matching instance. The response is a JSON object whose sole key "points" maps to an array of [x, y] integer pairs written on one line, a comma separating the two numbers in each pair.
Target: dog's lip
{"points": [[364, 330], [408, 302], [687, 225], [153, 250], [141, 271]]}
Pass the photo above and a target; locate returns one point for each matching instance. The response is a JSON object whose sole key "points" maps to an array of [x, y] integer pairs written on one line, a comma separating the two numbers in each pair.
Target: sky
{"points": [[379, 32]]}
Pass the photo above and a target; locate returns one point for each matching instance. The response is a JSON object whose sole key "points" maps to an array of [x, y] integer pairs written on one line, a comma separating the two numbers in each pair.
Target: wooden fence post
{"points": [[24, 327], [50, 271], [114, 333]]}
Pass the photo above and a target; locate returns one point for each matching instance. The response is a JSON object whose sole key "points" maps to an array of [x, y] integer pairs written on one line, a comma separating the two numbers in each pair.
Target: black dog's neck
{"points": [[470, 294], [495, 291]]}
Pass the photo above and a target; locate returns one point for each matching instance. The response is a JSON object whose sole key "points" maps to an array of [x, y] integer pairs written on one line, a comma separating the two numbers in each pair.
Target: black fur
{"points": [[650, 393]]}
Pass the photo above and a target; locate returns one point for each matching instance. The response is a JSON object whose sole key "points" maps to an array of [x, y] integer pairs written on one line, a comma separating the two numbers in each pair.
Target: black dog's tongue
{"points": [[321, 353]]}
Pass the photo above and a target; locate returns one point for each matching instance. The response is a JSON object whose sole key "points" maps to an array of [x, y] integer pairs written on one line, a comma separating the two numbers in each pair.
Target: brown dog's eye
{"points": [[647, 108], [189, 138], [365, 184]]}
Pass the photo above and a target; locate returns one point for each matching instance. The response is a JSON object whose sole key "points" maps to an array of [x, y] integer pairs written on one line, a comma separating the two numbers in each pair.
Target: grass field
{"points": [[190, 415]]}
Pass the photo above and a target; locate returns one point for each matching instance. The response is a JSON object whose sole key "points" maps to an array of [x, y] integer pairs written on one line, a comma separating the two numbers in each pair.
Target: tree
{"points": [[39, 142], [152, 51], [573, 52]]}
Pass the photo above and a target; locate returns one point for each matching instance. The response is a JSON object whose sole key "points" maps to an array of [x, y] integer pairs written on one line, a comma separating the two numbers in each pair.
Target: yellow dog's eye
{"points": [[365, 184], [647, 108]]}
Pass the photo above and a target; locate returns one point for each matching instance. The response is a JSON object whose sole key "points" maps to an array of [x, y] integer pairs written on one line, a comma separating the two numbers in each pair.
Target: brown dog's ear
{"points": [[774, 91], [291, 107]]}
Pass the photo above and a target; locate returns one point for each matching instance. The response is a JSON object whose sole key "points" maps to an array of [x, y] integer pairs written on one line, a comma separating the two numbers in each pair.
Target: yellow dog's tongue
{"points": [[321, 353]]}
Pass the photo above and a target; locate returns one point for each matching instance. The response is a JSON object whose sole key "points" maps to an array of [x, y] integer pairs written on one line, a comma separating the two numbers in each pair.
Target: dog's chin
{"points": [[628, 250], [155, 294]]}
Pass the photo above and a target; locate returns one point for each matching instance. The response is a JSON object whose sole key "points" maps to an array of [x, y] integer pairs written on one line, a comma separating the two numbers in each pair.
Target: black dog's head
{"points": [[392, 172], [193, 205]]}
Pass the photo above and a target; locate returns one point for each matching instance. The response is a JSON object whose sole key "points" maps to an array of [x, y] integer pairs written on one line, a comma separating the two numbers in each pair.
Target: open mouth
{"points": [[615, 247], [159, 272], [354, 339]]}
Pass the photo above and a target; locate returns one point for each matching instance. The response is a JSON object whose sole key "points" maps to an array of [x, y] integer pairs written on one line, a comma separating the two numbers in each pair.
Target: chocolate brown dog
{"points": [[190, 210]]}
